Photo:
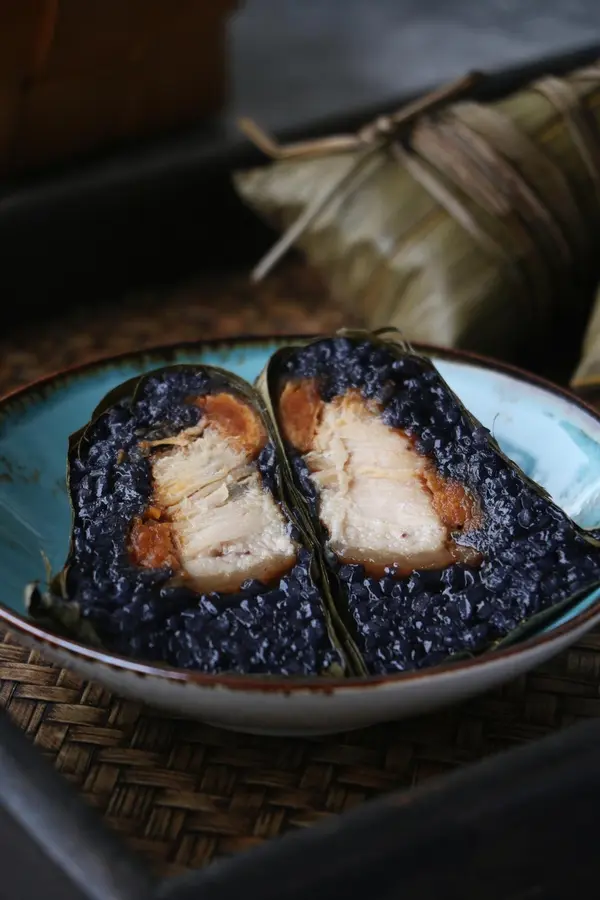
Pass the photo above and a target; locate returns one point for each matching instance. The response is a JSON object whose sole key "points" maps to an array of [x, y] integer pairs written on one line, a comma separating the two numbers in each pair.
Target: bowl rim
{"points": [[21, 625]]}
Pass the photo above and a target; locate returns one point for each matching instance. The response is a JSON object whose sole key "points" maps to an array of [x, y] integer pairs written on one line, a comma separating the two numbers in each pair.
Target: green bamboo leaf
{"points": [[535, 624]]}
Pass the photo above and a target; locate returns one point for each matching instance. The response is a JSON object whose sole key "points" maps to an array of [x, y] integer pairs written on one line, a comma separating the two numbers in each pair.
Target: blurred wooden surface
{"points": [[143, 213], [79, 76]]}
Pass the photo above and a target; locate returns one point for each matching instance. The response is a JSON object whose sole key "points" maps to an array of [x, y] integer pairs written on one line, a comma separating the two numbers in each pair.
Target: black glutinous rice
{"points": [[123, 575], [380, 448], [348, 517]]}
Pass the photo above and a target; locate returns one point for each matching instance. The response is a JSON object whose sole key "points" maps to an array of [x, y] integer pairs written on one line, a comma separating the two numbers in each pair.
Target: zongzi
{"points": [[586, 378], [438, 542], [345, 516], [468, 226], [182, 549]]}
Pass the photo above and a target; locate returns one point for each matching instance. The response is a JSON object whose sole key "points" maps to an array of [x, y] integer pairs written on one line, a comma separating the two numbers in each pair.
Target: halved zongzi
{"points": [[437, 543], [349, 517], [182, 549]]}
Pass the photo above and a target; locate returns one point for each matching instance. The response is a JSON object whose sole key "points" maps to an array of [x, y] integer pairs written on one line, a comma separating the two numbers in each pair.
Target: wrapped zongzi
{"points": [[586, 378], [468, 226]]}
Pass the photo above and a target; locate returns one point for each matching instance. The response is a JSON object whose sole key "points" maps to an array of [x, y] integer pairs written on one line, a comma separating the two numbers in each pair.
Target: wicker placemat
{"points": [[182, 792]]}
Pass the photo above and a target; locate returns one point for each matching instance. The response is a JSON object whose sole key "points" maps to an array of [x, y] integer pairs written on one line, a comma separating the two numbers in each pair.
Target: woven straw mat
{"points": [[182, 793]]}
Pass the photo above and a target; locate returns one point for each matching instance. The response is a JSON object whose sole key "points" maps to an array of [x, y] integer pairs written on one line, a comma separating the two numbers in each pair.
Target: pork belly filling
{"points": [[212, 520], [382, 503]]}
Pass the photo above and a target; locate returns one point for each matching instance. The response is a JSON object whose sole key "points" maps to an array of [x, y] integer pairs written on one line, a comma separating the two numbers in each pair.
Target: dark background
{"points": [[156, 212]]}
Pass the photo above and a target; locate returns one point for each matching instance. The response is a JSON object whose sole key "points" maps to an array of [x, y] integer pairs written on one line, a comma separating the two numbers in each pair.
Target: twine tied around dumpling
{"points": [[369, 140], [498, 184]]}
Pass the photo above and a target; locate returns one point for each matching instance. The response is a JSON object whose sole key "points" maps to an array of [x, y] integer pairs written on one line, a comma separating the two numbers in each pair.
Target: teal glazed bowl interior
{"points": [[554, 438]]}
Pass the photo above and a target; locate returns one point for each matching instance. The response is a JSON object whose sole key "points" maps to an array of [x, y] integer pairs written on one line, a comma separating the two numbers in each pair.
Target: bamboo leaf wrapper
{"points": [[466, 226], [586, 378]]}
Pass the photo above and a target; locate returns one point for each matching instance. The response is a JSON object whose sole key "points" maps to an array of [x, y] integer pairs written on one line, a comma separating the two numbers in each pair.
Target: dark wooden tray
{"points": [[521, 825]]}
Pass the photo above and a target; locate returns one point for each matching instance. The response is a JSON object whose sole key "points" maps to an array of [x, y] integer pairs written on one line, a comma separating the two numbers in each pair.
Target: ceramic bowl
{"points": [[554, 437]]}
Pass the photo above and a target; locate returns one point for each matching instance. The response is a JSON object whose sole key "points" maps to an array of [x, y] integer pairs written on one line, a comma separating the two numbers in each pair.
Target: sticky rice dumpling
{"points": [[346, 516], [438, 544], [182, 549]]}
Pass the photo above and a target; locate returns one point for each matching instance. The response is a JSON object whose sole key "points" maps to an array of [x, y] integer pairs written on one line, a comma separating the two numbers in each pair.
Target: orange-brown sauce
{"points": [[300, 408], [151, 543], [453, 503], [235, 419]]}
